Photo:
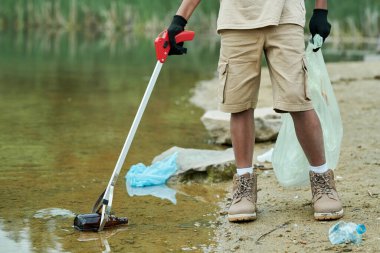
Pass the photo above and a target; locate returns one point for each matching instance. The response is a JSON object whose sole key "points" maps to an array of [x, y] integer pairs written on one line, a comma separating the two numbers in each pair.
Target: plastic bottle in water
{"points": [[346, 232]]}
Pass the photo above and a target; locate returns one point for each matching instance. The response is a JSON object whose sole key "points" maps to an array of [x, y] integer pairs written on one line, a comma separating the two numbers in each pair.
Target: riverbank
{"points": [[285, 219], [112, 18]]}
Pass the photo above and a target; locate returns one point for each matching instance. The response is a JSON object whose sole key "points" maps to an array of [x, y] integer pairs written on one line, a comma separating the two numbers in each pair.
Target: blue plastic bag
{"points": [[289, 161], [140, 175]]}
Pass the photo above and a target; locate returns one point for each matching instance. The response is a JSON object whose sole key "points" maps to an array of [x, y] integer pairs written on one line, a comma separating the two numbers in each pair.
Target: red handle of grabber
{"points": [[163, 46]]}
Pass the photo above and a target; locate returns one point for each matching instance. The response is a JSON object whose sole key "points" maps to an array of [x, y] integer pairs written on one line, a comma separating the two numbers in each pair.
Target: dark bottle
{"points": [[91, 221]]}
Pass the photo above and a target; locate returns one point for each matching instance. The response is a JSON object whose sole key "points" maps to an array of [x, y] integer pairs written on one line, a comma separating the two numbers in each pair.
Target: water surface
{"points": [[65, 112]]}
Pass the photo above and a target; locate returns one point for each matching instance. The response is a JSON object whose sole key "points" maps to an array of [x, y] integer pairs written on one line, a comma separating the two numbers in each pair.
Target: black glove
{"points": [[318, 24], [178, 25]]}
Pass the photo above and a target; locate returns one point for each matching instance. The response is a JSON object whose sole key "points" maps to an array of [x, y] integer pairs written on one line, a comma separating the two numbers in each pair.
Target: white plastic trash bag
{"points": [[289, 161], [266, 157]]}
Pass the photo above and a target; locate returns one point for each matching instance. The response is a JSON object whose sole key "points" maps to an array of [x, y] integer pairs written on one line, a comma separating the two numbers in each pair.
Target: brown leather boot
{"points": [[326, 202], [243, 206]]}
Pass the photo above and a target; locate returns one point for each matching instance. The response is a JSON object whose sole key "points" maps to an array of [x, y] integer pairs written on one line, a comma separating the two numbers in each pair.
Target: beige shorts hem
{"points": [[237, 108], [293, 107]]}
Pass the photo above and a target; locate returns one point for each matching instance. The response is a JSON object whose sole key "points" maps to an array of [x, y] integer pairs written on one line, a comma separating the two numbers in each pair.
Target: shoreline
{"points": [[285, 218]]}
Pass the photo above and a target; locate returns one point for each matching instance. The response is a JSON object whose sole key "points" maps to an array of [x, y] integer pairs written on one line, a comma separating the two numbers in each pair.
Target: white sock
{"points": [[242, 171], [320, 169]]}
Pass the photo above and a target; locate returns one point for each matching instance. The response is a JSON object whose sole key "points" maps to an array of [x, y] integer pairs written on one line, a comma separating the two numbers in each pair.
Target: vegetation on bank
{"points": [[353, 18], [142, 16]]}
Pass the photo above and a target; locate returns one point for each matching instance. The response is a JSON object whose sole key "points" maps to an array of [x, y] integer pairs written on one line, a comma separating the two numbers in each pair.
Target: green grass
{"points": [[142, 16]]}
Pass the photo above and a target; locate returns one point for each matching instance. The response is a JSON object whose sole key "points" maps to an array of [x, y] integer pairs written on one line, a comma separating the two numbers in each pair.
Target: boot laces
{"points": [[244, 188], [322, 186]]}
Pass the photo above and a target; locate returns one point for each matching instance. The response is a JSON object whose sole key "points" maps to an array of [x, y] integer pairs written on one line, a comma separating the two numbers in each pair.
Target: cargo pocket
{"points": [[223, 71], [305, 74]]}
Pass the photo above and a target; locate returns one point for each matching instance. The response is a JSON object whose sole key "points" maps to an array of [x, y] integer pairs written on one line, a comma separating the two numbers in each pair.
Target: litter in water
{"points": [[91, 222], [158, 173]]}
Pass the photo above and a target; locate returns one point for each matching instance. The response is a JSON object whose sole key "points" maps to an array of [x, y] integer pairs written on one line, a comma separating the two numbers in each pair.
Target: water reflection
{"points": [[49, 213], [63, 122], [159, 191], [15, 241], [22, 241], [100, 239], [26, 240], [73, 44]]}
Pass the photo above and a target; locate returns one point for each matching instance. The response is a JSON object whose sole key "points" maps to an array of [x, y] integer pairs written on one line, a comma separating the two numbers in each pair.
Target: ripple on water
{"points": [[48, 213]]}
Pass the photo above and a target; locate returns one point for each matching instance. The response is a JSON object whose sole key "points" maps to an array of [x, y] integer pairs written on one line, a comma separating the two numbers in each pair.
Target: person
{"points": [[249, 28]]}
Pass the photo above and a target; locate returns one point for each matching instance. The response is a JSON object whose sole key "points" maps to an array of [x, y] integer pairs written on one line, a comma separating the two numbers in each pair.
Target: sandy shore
{"points": [[285, 218]]}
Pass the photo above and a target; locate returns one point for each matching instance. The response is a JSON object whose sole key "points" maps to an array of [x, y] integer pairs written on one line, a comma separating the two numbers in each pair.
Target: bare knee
{"points": [[303, 114], [310, 117], [242, 114]]}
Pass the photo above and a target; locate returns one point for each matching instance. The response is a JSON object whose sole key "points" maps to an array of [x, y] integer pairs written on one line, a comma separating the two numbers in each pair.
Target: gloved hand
{"points": [[178, 25], [318, 23]]}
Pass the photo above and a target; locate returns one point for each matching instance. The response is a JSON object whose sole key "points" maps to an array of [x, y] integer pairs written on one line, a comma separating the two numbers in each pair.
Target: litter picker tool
{"points": [[103, 205]]}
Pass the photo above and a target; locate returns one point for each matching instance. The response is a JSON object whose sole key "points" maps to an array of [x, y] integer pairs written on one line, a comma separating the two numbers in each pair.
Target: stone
{"points": [[201, 164], [204, 95], [267, 125], [217, 124]]}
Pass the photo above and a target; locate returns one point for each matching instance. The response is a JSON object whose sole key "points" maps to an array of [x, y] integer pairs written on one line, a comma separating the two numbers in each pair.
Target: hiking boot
{"points": [[326, 202], [243, 206]]}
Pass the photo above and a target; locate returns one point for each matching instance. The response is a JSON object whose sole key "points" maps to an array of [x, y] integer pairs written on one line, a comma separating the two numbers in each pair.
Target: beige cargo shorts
{"points": [[239, 68]]}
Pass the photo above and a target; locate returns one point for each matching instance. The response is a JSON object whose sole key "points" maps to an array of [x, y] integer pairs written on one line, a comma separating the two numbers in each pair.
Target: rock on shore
{"points": [[200, 164], [267, 125]]}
